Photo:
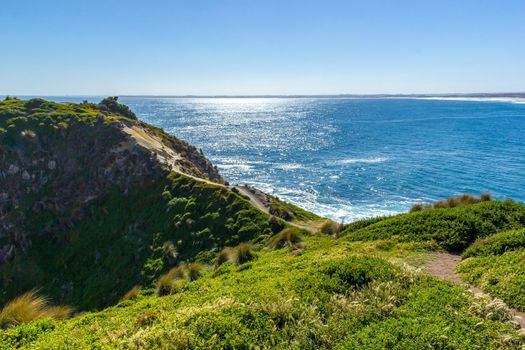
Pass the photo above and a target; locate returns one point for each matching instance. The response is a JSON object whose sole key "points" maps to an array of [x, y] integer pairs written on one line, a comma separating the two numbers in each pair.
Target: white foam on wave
{"points": [[288, 166], [363, 160]]}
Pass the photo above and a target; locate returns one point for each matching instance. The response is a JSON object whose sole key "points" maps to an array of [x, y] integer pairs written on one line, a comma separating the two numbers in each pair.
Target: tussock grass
{"points": [[289, 237], [31, 306], [452, 202], [331, 228], [194, 271], [178, 277], [243, 253], [224, 256], [237, 255], [131, 294], [164, 285]]}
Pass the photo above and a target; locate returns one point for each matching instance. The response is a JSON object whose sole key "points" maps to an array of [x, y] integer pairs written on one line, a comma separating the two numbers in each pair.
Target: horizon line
{"points": [[343, 95]]}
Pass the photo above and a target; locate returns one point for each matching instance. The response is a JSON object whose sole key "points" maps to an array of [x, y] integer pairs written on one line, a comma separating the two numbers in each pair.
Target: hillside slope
{"points": [[93, 201]]}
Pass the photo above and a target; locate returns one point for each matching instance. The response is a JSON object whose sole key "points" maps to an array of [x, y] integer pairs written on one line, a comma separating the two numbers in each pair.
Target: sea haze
{"points": [[353, 158]]}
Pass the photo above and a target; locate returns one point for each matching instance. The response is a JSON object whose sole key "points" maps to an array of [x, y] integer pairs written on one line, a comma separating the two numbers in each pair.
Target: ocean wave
{"points": [[363, 160], [289, 166]]}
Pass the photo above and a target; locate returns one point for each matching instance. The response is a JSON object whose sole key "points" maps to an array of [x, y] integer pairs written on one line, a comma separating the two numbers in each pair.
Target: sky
{"points": [[253, 47]]}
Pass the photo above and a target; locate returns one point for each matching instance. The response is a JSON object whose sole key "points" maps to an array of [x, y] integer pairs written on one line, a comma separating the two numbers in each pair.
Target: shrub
{"points": [[111, 104], [497, 244], [276, 224], [357, 271], [243, 253], [28, 307], [131, 294], [289, 237]]}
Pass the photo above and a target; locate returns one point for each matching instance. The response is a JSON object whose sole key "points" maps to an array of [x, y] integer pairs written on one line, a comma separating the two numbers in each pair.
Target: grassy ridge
{"points": [[329, 296], [452, 228]]}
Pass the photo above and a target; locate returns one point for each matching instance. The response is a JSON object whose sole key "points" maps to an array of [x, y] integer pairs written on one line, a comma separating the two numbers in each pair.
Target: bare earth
{"points": [[442, 265]]}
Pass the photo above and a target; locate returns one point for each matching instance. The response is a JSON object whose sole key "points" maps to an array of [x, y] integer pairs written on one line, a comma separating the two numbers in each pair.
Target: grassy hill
{"points": [[331, 294], [90, 209], [114, 234]]}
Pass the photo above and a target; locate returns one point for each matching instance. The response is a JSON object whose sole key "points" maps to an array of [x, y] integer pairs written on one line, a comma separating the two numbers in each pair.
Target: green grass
{"points": [[122, 242], [502, 276], [496, 244], [331, 296], [452, 228]]}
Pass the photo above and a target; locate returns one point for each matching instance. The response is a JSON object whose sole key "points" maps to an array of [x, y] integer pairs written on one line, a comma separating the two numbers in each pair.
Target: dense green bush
{"points": [[496, 244], [354, 272], [452, 228]]}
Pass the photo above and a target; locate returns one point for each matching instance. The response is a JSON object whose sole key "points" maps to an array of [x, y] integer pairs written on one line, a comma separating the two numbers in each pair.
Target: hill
{"points": [[93, 201], [114, 234]]}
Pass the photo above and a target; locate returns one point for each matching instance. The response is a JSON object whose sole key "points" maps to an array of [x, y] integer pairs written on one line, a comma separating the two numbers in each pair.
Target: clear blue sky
{"points": [[102, 47]]}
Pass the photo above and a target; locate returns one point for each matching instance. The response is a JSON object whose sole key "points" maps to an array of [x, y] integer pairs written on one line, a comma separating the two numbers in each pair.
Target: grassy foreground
{"points": [[331, 293]]}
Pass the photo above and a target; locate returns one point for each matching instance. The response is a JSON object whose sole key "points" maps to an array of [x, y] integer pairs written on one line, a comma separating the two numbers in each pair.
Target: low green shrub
{"points": [[496, 244]]}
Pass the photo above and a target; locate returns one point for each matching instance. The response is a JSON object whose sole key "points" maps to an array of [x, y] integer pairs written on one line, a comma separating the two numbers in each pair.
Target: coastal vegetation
{"points": [[153, 253]]}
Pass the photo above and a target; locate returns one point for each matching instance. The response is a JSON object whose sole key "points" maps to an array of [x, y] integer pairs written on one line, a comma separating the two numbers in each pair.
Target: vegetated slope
{"points": [[327, 295], [496, 264], [452, 228], [490, 235], [89, 205]]}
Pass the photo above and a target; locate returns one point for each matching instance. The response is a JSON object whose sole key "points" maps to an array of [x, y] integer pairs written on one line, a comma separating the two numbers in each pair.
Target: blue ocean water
{"points": [[353, 158]]}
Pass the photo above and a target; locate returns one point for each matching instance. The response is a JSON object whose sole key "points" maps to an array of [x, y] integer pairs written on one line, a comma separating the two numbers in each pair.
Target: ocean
{"points": [[348, 158]]}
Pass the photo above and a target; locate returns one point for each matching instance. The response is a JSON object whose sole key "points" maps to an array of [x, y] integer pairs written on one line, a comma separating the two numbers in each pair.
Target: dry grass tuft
{"points": [[289, 237], [331, 228], [131, 294], [31, 306], [224, 256], [465, 199], [243, 253]]}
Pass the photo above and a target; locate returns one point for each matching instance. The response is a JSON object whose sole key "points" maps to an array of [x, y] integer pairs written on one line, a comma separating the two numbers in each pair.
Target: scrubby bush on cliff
{"points": [[111, 104]]}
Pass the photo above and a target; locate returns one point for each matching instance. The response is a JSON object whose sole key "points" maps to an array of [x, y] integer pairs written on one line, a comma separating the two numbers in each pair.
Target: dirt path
{"points": [[442, 265]]}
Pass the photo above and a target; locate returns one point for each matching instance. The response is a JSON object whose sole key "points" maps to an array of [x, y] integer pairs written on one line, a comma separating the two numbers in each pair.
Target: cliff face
{"points": [[67, 170]]}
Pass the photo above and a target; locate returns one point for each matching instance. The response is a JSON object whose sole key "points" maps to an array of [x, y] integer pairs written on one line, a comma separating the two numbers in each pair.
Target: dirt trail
{"points": [[442, 265]]}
